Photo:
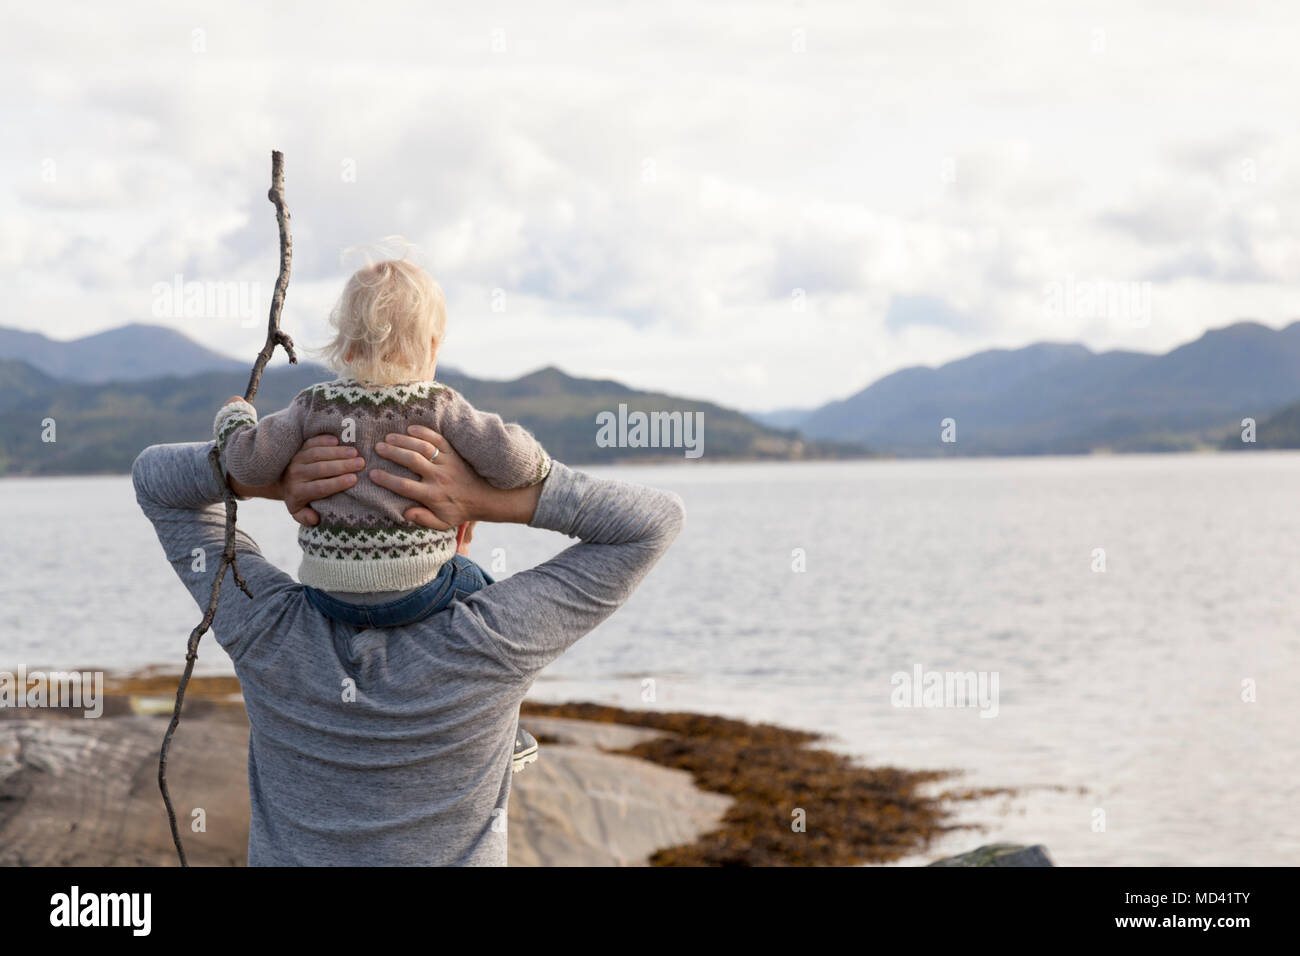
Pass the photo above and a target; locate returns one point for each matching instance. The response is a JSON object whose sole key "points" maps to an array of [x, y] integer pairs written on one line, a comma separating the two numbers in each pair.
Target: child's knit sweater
{"points": [[362, 542]]}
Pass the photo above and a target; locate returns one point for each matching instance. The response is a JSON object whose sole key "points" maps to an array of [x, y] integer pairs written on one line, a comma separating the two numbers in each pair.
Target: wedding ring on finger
{"points": [[436, 453]]}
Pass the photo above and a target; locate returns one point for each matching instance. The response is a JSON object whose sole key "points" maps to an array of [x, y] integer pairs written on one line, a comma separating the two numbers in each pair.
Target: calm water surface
{"points": [[1119, 692]]}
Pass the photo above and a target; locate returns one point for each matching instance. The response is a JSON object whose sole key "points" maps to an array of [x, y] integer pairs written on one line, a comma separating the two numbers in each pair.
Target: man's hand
{"points": [[449, 492], [321, 468]]}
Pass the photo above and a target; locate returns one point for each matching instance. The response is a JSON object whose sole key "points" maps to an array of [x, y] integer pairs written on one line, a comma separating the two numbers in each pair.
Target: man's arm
{"points": [[178, 492], [624, 530], [535, 615]]}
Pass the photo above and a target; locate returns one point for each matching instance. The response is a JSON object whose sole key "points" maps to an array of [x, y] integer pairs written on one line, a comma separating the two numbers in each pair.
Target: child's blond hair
{"points": [[385, 321]]}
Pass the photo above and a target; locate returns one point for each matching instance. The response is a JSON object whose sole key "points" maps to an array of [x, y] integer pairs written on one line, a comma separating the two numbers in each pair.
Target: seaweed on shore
{"points": [[147, 683], [852, 814]]}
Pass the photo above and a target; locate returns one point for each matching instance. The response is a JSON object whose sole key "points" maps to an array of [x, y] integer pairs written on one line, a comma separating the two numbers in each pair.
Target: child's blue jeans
{"points": [[457, 579]]}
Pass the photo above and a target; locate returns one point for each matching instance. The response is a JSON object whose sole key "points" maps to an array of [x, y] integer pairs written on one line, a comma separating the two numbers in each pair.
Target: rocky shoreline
{"points": [[614, 788]]}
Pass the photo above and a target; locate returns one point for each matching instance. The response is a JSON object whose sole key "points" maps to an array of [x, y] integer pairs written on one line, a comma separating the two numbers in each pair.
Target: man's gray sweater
{"points": [[392, 746]]}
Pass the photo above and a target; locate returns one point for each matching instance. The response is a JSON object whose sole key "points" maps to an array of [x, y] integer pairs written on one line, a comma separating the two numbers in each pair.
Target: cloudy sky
{"points": [[765, 204]]}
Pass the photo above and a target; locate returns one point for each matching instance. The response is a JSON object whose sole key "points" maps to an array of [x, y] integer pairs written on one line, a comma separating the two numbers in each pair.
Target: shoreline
{"points": [[1199, 451], [613, 787]]}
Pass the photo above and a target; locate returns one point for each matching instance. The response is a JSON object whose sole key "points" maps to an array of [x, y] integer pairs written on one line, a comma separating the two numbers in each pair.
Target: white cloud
{"points": [[650, 185]]}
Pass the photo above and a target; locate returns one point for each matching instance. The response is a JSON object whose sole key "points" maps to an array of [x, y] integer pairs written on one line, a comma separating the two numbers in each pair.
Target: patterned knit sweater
{"points": [[362, 543]]}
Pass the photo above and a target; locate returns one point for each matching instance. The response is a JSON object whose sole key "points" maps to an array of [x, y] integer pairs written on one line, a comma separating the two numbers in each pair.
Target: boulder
{"points": [[1000, 854]]}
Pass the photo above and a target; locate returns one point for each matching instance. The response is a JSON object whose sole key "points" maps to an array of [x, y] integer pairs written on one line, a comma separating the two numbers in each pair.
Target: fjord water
{"points": [[1147, 713]]}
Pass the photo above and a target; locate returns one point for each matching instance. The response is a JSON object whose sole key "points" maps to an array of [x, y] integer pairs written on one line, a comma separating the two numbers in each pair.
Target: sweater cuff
{"points": [[232, 416], [557, 505]]}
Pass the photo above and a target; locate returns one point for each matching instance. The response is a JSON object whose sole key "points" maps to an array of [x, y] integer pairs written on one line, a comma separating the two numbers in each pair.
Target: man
{"points": [[393, 746]]}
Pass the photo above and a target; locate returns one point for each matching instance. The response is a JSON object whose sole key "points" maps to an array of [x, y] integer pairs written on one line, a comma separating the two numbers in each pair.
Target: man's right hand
{"points": [[321, 468], [448, 492]]}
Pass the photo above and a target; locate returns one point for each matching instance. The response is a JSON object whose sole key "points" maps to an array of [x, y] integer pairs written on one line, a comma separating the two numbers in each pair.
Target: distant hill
{"points": [[782, 417], [101, 427], [1062, 398], [1048, 398], [1279, 430], [129, 353], [19, 381]]}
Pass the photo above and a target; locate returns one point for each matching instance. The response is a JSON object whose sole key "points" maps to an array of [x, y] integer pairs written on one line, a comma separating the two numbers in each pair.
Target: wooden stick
{"points": [[274, 337]]}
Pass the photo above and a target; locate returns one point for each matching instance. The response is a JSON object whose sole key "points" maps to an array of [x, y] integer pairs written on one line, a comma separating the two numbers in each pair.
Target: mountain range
{"points": [[126, 354], [1279, 430], [1065, 398], [112, 394]]}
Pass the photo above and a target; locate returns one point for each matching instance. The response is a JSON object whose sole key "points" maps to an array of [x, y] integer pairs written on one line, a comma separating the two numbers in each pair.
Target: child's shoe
{"points": [[525, 750]]}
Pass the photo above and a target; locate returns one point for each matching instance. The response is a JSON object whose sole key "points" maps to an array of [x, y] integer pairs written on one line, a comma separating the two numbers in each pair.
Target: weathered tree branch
{"points": [[274, 337]]}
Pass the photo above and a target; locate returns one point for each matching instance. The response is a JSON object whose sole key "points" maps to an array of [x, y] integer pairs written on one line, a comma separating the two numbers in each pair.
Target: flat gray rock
{"points": [[85, 792]]}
